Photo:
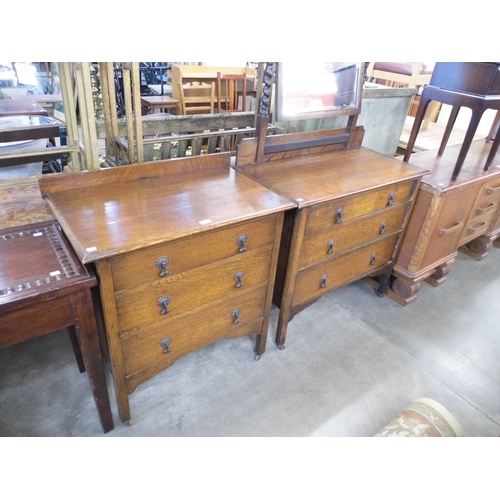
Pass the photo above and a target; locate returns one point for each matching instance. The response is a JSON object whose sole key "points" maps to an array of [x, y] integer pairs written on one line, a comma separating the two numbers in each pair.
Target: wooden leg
{"points": [[471, 130], [86, 329], [416, 127], [260, 345], [477, 249], [439, 276], [76, 348], [493, 151], [403, 292], [494, 127], [449, 127]]}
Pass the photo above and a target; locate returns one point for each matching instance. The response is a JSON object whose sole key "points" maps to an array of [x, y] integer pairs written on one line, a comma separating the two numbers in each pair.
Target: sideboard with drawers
{"points": [[448, 216], [185, 251]]}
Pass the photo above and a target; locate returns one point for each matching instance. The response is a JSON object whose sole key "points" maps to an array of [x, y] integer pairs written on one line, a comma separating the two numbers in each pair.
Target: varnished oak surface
{"points": [[125, 215], [23, 204], [328, 176], [441, 167]]}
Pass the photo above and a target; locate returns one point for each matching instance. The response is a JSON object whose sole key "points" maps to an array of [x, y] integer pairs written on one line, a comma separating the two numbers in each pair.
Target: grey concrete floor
{"points": [[353, 361]]}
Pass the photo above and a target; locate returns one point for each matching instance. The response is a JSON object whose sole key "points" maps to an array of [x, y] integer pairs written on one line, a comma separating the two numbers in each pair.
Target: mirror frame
{"points": [[327, 112]]}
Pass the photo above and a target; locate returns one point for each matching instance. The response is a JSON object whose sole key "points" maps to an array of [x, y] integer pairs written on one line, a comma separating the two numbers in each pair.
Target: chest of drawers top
{"points": [[110, 212], [311, 179]]}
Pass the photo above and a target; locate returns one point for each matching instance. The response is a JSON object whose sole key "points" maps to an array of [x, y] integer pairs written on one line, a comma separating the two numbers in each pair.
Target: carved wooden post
{"points": [[263, 116]]}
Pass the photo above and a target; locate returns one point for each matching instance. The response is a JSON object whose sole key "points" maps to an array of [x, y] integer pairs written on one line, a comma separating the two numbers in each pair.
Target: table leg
{"points": [[471, 130], [76, 348], [424, 103], [449, 127], [86, 330], [493, 151]]}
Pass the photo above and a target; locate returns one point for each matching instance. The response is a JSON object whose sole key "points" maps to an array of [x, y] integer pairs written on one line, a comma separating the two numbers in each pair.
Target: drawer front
{"points": [[139, 307], [445, 234], [476, 227], [158, 346], [141, 267], [336, 212], [350, 235], [324, 277]]}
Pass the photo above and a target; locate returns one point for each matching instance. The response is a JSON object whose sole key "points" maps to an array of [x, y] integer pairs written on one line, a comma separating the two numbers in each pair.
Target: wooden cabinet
{"points": [[448, 216], [353, 205], [186, 253]]}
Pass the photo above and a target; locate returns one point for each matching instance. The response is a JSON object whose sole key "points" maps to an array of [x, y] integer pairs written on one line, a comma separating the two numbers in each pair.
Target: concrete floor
{"points": [[353, 361]]}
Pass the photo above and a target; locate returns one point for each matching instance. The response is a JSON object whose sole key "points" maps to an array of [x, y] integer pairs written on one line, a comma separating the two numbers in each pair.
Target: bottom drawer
{"points": [[320, 279], [150, 350]]}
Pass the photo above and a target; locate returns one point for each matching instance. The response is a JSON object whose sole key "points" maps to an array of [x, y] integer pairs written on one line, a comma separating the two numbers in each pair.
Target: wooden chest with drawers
{"points": [[353, 205], [185, 251], [448, 216]]}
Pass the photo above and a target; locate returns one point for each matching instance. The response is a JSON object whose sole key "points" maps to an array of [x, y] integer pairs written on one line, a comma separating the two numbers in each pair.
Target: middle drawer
{"points": [[352, 234], [153, 302]]}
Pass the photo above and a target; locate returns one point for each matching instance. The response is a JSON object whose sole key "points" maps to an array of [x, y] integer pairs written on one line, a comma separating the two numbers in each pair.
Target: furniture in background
{"points": [[449, 215], [44, 288], [163, 103], [196, 98], [228, 91], [411, 74], [186, 254], [26, 106], [475, 85]]}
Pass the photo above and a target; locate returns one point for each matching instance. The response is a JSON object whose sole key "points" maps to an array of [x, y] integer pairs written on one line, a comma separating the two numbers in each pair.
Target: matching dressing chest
{"points": [[185, 252]]}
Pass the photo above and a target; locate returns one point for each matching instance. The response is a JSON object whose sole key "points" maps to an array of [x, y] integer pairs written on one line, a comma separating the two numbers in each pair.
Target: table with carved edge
{"points": [[186, 253], [44, 288]]}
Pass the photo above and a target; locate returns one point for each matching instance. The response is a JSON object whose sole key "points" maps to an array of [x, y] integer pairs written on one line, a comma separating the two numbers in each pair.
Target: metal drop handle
{"points": [[391, 199], [241, 240], [163, 304], [383, 225], [165, 344], [330, 246], [373, 259], [323, 281], [236, 315], [238, 277], [162, 264], [338, 215]]}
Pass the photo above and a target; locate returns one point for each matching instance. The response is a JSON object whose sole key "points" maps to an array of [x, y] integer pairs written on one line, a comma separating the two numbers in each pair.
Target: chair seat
{"points": [[401, 68]]}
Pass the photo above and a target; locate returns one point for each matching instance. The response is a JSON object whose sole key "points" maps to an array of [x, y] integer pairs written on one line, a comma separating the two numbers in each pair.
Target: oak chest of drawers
{"points": [[448, 216], [185, 251], [353, 205]]}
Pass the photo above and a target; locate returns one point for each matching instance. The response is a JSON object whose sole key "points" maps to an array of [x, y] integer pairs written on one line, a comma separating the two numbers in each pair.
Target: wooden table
{"points": [[44, 288], [26, 106], [159, 102], [186, 253]]}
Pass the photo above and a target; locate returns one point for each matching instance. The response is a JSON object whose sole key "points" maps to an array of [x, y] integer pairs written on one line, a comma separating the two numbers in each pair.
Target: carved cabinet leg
{"points": [[478, 248], [404, 292], [439, 276], [496, 243]]}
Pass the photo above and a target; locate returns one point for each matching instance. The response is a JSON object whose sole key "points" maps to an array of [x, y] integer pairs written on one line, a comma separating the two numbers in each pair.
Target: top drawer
{"points": [[336, 212], [141, 267]]}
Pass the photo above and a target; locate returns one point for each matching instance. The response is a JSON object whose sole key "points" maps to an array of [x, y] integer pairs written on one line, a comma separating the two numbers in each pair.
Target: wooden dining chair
{"points": [[197, 98], [228, 92]]}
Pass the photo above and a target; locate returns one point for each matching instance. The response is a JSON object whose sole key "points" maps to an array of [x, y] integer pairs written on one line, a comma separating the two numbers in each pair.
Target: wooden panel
{"points": [[191, 331], [138, 307], [32, 321], [351, 235], [138, 378], [444, 236], [344, 268], [139, 267], [324, 215]]}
